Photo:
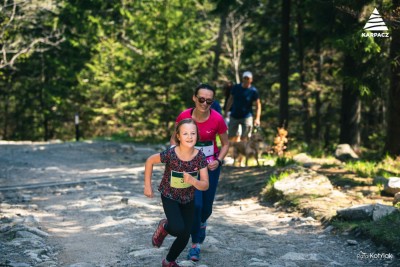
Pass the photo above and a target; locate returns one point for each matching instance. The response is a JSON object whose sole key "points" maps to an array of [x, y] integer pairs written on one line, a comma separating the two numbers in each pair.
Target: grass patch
{"points": [[284, 161], [346, 226], [383, 232], [329, 165], [341, 180], [269, 193], [362, 168], [290, 201], [387, 167]]}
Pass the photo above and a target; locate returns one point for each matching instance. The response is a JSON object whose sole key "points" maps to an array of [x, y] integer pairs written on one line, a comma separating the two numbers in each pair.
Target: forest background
{"points": [[127, 68]]}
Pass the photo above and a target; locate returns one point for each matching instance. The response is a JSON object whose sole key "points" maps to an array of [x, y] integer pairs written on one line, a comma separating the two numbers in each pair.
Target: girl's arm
{"points": [[148, 172], [201, 184]]}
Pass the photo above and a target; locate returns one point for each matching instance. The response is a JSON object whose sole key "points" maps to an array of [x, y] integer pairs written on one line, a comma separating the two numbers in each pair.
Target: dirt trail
{"points": [[89, 198]]}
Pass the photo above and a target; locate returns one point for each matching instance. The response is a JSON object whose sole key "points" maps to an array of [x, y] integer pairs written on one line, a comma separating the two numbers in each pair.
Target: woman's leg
{"points": [[203, 209], [180, 219], [209, 195], [203, 204], [198, 203]]}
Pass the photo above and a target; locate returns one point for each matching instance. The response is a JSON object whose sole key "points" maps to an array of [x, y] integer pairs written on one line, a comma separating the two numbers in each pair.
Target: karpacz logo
{"points": [[375, 34], [375, 24]]}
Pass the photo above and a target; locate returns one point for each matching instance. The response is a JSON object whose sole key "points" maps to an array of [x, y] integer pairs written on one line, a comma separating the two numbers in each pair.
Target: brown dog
{"points": [[248, 149]]}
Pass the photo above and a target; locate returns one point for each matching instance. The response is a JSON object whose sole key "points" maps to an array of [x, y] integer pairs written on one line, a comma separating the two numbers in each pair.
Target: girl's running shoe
{"points": [[160, 234], [169, 264]]}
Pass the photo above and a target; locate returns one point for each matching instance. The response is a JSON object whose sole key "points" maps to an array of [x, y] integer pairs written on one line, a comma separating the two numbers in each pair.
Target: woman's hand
{"points": [[213, 165]]}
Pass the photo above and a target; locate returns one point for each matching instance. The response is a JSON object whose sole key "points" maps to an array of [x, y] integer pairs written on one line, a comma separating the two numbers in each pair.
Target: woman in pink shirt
{"points": [[211, 124]]}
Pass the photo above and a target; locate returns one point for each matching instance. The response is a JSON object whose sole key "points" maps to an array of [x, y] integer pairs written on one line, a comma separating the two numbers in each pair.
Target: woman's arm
{"points": [[172, 139], [222, 153], [148, 172], [224, 146], [201, 184]]}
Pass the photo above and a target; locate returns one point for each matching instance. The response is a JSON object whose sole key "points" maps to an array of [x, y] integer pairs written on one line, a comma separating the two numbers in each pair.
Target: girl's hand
{"points": [[148, 191], [187, 178]]}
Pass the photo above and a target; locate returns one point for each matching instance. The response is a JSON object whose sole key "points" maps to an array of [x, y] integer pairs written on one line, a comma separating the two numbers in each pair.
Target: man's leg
{"points": [[233, 130], [247, 127]]}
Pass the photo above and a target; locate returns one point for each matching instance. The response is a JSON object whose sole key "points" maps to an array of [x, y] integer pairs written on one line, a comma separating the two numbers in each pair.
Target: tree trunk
{"points": [[43, 102], [350, 108], [284, 66], [5, 116], [392, 145], [165, 70], [304, 93], [218, 47], [317, 97]]}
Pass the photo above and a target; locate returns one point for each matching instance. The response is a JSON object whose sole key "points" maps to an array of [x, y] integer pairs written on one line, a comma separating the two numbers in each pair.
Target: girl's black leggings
{"points": [[180, 219]]}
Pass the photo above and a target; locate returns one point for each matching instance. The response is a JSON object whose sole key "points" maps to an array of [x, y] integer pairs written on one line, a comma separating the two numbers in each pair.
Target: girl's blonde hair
{"points": [[178, 127]]}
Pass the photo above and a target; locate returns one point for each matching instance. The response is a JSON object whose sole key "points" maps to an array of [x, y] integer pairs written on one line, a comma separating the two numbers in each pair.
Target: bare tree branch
{"points": [[128, 44], [234, 45], [12, 43]]}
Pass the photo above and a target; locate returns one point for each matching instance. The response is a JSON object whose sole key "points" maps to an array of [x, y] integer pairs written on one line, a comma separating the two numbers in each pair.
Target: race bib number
{"points": [[177, 179], [208, 149]]}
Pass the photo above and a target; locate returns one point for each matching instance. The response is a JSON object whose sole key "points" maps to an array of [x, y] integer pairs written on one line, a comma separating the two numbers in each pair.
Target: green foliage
{"points": [[385, 168], [284, 161], [129, 77], [269, 193], [381, 231], [362, 168], [131, 66]]}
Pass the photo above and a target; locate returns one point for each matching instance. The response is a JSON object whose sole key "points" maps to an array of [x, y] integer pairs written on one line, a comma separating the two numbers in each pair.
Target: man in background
{"points": [[240, 105]]}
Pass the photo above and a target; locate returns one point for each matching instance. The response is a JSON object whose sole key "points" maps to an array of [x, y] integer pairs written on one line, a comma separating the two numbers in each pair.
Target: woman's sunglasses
{"points": [[202, 100]]}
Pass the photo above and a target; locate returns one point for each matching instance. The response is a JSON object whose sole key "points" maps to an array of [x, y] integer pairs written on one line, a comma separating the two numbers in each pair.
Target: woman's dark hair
{"points": [[178, 127], [204, 86]]}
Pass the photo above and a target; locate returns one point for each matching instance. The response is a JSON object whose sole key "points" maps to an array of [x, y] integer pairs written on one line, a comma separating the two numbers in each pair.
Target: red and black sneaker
{"points": [[169, 264], [160, 234]]}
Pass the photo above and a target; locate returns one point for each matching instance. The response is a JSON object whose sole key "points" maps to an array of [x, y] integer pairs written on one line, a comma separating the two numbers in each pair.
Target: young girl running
{"points": [[183, 165], [211, 125]]}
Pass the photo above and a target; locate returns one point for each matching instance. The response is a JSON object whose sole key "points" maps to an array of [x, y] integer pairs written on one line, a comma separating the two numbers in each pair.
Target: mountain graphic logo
{"points": [[375, 22]]}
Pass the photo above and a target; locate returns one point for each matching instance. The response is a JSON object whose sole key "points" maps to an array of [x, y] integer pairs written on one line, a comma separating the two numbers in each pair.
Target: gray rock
{"points": [[365, 212], [352, 242], [47, 264], [396, 198], [329, 229], [344, 152], [381, 211], [304, 183], [356, 213], [82, 264], [295, 256], [18, 264], [393, 186], [302, 158], [26, 234], [38, 232]]}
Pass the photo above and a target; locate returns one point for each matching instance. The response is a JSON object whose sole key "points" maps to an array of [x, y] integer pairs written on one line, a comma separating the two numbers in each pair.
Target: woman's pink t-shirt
{"points": [[209, 129]]}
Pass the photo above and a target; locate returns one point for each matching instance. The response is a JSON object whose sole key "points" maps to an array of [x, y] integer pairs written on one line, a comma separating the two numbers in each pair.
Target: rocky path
{"points": [[82, 205]]}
